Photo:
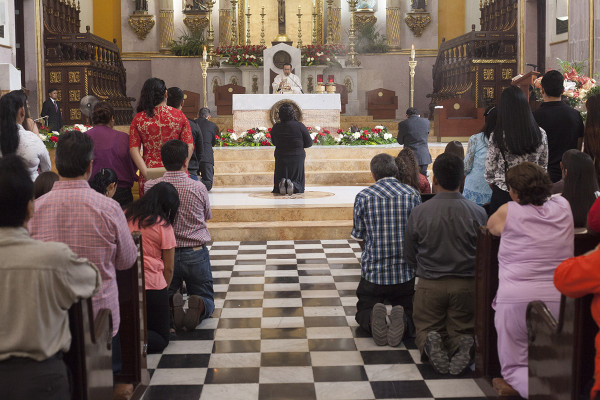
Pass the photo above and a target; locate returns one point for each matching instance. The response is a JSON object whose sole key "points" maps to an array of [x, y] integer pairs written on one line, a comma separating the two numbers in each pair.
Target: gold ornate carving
{"points": [[233, 81], [230, 90], [456, 106], [488, 92], [380, 94], [74, 95], [196, 22], [488, 74], [75, 113], [56, 77], [224, 22], [274, 112], [348, 84], [336, 19], [364, 17], [392, 26], [281, 57], [167, 30], [491, 61], [74, 77], [417, 22], [507, 74], [141, 24], [319, 10]]}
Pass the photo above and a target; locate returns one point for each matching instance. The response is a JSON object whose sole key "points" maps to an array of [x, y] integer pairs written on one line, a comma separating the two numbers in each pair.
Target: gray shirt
{"points": [[441, 236]]}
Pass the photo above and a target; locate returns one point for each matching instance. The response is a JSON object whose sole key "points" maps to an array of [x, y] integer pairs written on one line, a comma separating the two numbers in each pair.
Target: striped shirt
{"points": [[194, 209], [380, 215], [94, 227]]}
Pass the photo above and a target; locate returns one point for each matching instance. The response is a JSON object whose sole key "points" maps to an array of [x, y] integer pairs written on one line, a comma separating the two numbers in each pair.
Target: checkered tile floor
{"points": [[284, 328]]}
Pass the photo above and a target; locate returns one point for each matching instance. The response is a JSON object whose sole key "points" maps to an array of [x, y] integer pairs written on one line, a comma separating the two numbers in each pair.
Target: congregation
{"points": [[524, 176]]}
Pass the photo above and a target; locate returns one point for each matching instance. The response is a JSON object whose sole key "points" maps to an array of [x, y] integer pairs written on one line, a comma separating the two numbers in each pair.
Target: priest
{"points": [[287, 82]]}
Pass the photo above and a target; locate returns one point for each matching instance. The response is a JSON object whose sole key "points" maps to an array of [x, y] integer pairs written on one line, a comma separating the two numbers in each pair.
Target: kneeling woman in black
{"points": [[290, 138]]}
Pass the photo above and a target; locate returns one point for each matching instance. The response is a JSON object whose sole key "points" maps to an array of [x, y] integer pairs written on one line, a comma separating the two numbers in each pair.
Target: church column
{"points": [[224, 22], [167, 25], [393, 26]]}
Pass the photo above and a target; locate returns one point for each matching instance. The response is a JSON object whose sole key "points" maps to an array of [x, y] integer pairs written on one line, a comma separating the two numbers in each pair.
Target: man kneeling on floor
{"points": [[380, 216], [440, 242], [192, 261]]}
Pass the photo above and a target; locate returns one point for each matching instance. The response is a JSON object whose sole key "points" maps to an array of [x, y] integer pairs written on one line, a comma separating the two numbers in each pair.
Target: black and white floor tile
{"points": [[284, 328]]}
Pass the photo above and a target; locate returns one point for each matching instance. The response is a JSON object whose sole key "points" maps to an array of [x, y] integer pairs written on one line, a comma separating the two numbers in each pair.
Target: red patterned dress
{"points": [[168, 123]]}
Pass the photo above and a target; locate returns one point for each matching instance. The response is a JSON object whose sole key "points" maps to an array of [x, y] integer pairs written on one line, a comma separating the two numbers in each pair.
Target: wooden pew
{"points": [[487, 365], [89, 359], [561, 353], [133, 331]]}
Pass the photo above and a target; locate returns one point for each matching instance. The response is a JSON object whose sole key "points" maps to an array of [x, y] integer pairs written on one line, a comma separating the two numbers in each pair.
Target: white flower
{"points": [[338, 139], [387, 136], [356, 135], [262, 128], [568, 85], [317, 128], [328, 59], [319, 54], [380, 127], [57, 133], [313, 135], [43, 137], [233, 136], [243, 134]]}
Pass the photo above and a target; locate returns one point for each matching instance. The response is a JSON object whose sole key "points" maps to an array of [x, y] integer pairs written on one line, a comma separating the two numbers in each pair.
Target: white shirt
{"points": [[292, 80], [33, 152]]}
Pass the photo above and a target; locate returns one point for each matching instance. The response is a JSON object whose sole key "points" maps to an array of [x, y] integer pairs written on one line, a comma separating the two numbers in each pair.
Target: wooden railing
{"points": [[498, 15], [61, 16]]}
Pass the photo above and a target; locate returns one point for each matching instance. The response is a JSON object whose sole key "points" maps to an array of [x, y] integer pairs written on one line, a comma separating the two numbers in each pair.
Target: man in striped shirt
{"points": [[192, 262], [380, 215]]}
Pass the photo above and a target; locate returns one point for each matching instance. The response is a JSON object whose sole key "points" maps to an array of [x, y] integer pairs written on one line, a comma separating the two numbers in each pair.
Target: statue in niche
{"points": [[194, 5], [418, 5], [141, 5]]}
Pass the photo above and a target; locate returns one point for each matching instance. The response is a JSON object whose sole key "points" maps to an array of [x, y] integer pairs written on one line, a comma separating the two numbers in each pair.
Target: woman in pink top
{"points": [[537, 234], [153, 215]]}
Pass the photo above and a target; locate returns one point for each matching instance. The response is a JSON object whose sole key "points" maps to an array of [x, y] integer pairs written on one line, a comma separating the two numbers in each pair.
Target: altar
{"points": [[255, 110]]}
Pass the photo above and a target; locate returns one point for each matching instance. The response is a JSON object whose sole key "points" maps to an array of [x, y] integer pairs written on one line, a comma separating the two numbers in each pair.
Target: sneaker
{"points": [[379, 328], [194, 313], [396, 329], [290, 187], [436, 353], [178, 313], [282, 189], [462, 357]]}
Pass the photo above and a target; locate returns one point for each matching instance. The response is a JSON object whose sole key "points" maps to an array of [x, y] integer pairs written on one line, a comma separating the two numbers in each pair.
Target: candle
{"points": [[248, 10], [299, 12], [320, 78], [412, 52], [204, 54], [330, 78], [263, 9]]}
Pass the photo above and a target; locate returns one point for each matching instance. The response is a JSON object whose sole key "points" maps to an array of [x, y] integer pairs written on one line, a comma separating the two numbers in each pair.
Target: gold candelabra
{"points": [[204, 65], [330, 21], [314, 26], [412, 64], [262, 26], [299, 27], [211, 34], [234, 33], [352, 60], [248, 26]]}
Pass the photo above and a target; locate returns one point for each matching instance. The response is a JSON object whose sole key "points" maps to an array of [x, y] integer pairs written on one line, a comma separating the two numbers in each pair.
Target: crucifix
{"points": [[281, 16]]}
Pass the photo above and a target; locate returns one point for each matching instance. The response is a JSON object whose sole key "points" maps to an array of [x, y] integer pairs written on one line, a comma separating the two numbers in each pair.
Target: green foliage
{"points": [[592, 92], [369, 40], [188, 45], [578, 66]]}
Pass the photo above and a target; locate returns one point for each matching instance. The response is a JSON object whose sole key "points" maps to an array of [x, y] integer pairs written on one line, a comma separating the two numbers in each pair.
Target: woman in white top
{"points": [[15, 139]]}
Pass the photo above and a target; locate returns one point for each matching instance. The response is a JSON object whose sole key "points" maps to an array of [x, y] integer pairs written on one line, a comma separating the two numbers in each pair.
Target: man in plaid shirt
{"points": [[380, 215], [192, 262]]}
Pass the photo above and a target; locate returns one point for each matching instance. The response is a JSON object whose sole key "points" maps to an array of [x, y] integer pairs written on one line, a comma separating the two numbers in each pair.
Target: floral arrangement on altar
{"points": [[241, 55], [261, 136], [577, 86], [50, 138], [322, 54]]}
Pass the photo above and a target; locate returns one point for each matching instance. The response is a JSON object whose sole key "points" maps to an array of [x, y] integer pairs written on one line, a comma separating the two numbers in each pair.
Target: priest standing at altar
{"points": [[287, 82]]}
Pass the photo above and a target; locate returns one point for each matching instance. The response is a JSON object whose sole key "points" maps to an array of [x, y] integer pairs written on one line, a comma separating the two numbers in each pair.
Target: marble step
{"points": [[252, 154], [224, 167], [330, 178], [281, 213], [277, 230]]}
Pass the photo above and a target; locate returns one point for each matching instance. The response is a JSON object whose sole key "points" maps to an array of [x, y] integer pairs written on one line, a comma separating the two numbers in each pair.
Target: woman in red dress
{"points": [[154, 124]]}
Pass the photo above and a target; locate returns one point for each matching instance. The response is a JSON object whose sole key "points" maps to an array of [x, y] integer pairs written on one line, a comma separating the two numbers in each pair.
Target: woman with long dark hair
{"points": [[111, 150], [155, 124], [290, 138], [413, 177], [591, 135], [28, 122], [476, 188], [105, 182], [580, 186], [154, 215], [16, 139], [516, 138]]}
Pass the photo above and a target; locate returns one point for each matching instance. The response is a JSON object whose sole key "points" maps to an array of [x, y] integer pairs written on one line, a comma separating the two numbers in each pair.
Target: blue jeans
{"points": [[193, 267]]}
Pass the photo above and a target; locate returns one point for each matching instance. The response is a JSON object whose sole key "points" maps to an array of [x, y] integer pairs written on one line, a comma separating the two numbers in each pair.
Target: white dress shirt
{"points": [[33, 152]]}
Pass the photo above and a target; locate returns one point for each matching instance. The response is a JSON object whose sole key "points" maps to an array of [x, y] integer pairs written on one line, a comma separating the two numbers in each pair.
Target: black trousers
{"points": [[370, 294], [499, 197], [24, 378], [206, 172], [157, 319], [123, 196]]}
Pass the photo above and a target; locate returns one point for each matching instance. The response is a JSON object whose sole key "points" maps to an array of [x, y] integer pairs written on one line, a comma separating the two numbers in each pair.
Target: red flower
{"points": [[224, 144], [54, 139], [269, 129], [364, 138], [268, 135], [251, 131], [340, 131], [217, 137]]}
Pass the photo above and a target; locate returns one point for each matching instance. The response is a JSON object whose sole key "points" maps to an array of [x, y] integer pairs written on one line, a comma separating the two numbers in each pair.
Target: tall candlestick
{"points": [[412, 52], [204, 54], [262, 27]]}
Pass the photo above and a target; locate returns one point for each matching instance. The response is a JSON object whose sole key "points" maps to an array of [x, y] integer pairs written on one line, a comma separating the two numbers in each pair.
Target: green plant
{"points": [[566, 66], [369, 40], [188, 45]]}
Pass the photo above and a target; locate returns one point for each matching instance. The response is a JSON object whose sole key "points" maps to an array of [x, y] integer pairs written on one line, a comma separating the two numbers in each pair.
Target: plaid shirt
{"points": [[380, 215], [194, 209], [94, 227]]}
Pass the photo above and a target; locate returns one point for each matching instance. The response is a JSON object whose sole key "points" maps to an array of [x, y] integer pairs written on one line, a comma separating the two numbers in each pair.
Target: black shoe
{"points": [[379, 327], [290, 187], [282, 189]]}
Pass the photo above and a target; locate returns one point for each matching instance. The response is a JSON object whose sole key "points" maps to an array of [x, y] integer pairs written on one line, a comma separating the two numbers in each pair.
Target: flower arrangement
{"points": [[262, 137], [241, 55], [76, 127], [322, 54], [50, 138], [577, 86]]}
